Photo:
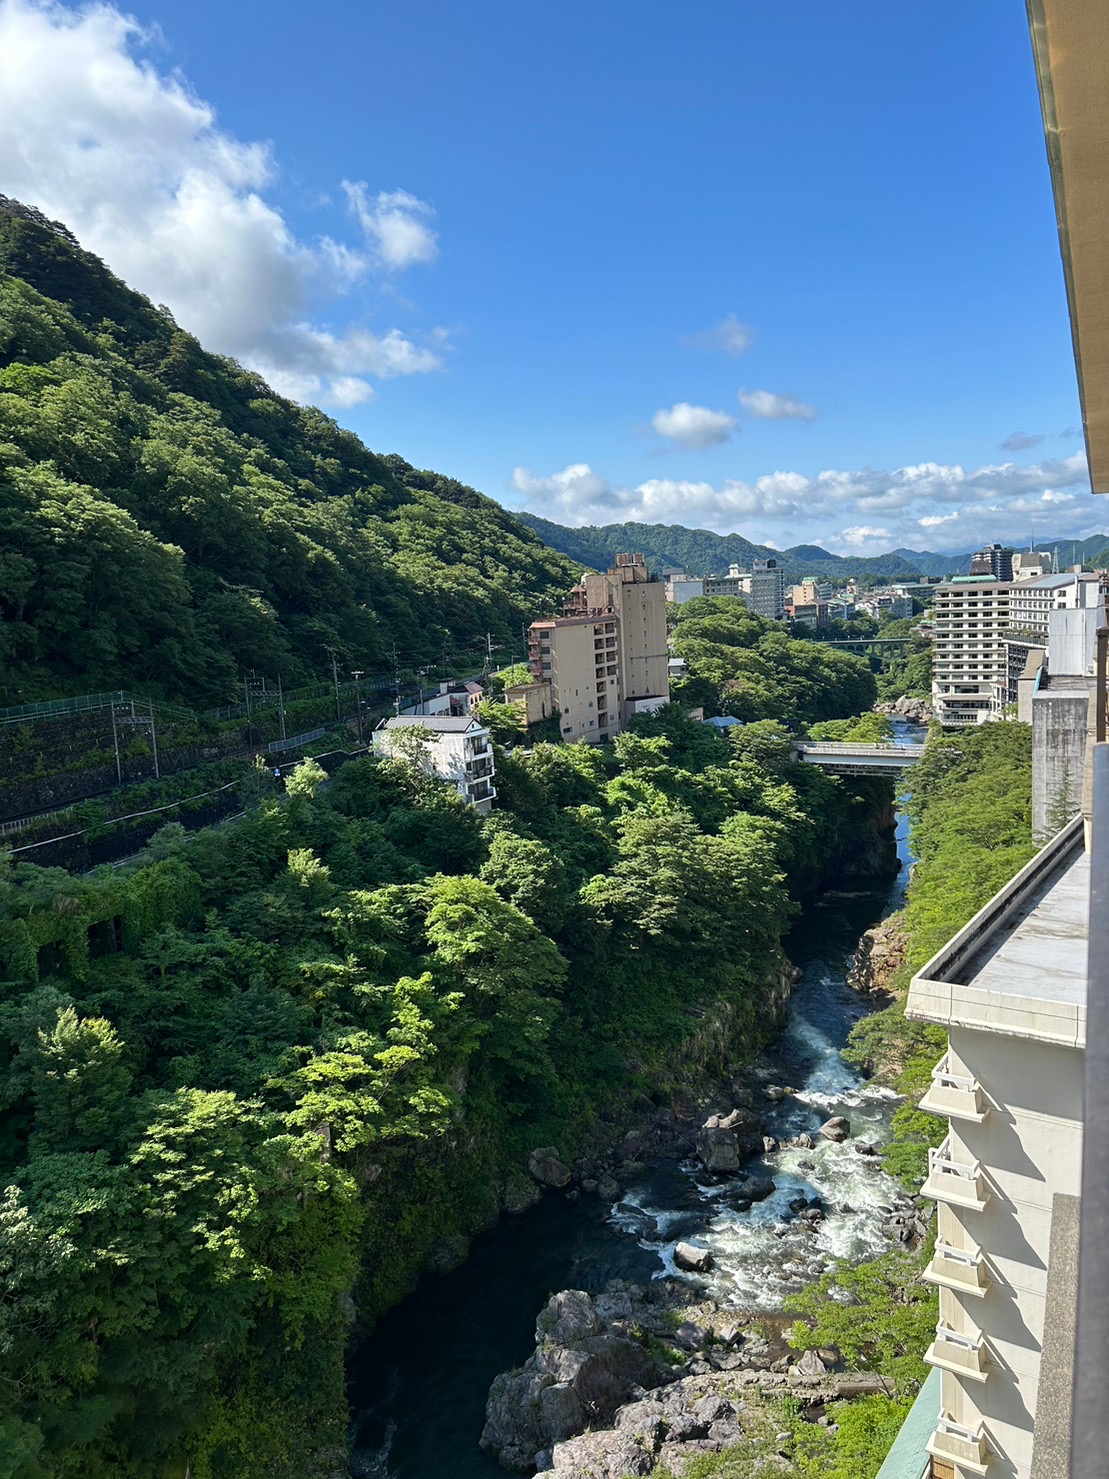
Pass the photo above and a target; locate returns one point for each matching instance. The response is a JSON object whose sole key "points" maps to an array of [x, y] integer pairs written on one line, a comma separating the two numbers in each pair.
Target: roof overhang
{"points": [[1070, 41]]}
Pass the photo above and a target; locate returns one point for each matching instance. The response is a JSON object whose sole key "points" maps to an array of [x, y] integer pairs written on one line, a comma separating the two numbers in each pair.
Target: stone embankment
{"points": [[915, 710]]}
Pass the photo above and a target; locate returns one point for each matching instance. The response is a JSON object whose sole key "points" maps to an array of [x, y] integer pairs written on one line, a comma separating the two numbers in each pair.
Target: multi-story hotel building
{"points": [[968, 648], [607, 658], [1032, 601], [1011, 990]]}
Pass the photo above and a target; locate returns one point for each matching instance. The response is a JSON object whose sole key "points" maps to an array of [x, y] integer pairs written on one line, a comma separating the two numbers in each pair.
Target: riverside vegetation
{"points": [[288, 1057], [970, 813]]}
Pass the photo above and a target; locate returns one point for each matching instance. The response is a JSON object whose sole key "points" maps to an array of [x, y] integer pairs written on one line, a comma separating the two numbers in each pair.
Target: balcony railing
{"points": [[961, 1269], [956, 1095], [955, 1443], [960, 1183], [952, 1350]]}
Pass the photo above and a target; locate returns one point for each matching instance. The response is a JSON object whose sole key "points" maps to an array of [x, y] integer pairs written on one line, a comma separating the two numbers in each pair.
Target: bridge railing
{"points": [[846, 747]]}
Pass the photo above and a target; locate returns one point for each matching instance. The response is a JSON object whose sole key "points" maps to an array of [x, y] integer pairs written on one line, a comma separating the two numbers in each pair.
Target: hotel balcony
{"points": [[963, 1270], [959, 1183], [965, 1355], [956, 1095], [952, 1443]]}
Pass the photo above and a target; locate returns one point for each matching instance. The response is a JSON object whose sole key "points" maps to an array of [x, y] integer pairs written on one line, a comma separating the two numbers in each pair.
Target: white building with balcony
{"points": [[456, 748], [1011, 990]]}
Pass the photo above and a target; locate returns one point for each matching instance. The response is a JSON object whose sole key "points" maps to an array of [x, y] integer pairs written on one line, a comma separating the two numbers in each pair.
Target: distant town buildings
{"points": [[456, 748], [993, 560], [762, 588], [606, 658]]}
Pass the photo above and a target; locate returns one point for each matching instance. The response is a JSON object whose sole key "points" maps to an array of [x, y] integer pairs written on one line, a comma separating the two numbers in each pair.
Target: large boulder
{"points": [[546, 1167], [836, 1129], [718, 1148], [581, 1372], [725, 1141], [693, 1259]]}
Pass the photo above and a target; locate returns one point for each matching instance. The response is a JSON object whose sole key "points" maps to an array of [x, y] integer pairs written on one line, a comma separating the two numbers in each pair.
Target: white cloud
{"points": [[693, 426], [866, 539], [770, 407], [835, 507], [729, 335], [136, 165], [1020, 441], [395, 223]]}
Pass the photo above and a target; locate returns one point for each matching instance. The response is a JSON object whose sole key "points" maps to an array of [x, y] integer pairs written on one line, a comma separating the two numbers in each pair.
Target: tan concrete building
{"points": [[606, 658]]}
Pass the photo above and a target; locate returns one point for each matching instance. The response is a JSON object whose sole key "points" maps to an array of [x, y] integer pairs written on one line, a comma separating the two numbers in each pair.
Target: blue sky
{"points": [[547, 248]]}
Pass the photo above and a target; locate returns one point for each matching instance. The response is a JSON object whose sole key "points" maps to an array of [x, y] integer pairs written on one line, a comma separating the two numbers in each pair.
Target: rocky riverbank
{"points": [[880, 955], [915, 710], [644, 1376]]}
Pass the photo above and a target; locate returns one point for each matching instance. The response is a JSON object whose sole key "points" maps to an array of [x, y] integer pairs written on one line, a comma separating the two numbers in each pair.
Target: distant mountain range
{"points": [[701, 552]]}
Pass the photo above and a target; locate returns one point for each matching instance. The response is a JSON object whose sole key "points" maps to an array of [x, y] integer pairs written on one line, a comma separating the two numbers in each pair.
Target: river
{"points": [[418, 1385]]}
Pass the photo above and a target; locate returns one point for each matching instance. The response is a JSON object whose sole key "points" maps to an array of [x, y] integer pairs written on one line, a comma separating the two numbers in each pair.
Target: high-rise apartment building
{"points": [[606, 658], [993, 559], [768, 589], [763, 587], [969, 656]]}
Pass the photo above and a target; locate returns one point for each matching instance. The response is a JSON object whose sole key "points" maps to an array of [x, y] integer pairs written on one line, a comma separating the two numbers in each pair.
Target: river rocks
{"points": [[809, 1367], [583, 1368], [776, 1093], [667, 1429], [805, 1142], [608, 1189], [863, 1147], [837, 1129], [769, 1145], [693, 1259], [915, 710], [546, 1167], [725, 1141]]}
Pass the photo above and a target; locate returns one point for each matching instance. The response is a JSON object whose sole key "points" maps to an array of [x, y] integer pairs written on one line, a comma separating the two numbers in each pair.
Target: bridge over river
{"points": [[884, 758]]}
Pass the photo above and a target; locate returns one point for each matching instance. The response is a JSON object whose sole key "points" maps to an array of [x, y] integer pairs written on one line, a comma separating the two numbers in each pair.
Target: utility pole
{"points": [[357, 676], [280, 708], [396, 682], [154, 741], [249, 725], [115, 743], [335, 680]]}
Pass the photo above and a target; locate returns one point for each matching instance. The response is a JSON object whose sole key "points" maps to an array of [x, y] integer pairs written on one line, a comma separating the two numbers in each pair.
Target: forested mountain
{"points": [[701, 552], [167, 520]]}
